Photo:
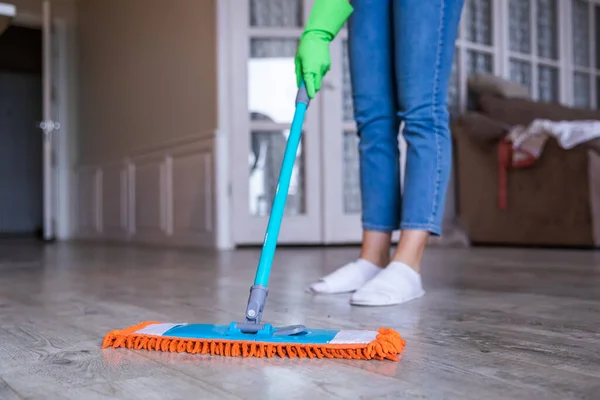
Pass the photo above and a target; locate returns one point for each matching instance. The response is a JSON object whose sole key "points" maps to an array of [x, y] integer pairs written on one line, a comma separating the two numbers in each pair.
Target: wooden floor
{"points": [[495, 324]]}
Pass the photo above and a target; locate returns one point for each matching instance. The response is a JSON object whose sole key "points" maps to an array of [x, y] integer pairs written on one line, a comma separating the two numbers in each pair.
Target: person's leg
{"points": [[425, 33], [375, 106]]}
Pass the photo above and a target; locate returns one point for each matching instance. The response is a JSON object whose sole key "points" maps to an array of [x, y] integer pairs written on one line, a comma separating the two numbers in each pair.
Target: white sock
{"points": [[347, 278], [396, 284]]}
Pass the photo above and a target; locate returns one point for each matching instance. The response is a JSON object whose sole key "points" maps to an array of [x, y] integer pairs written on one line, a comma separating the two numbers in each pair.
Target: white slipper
{"points": [[396, 284], [346, 279]]}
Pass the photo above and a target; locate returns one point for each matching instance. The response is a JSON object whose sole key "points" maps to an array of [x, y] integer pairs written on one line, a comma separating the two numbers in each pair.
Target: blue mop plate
{"points": [[267, 334]]}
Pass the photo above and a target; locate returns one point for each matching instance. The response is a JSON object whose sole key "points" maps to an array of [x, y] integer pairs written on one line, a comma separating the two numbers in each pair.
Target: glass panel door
{"points": [[264, 88]]}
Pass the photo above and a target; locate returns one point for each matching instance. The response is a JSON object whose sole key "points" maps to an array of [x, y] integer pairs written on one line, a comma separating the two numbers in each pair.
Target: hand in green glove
{"points": [[312, 58]]}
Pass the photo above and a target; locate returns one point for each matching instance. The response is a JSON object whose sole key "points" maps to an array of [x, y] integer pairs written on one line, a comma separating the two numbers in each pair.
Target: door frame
{"points": [[64, 144], [233, 48]]}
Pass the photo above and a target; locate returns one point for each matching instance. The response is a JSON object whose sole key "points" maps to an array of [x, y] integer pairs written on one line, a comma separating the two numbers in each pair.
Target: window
{"points": [[549, 46], [533, 46], [585, 17]]}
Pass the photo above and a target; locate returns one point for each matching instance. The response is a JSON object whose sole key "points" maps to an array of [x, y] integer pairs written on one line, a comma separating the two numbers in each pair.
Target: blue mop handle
{"points": [[287, 166]]}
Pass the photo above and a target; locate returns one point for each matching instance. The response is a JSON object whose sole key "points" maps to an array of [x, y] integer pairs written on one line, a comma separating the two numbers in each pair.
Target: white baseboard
{"points": [[163, 196]]}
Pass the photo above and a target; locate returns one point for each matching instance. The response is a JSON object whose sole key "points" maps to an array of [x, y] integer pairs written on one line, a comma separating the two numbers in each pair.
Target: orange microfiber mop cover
{"points": [[387, 346]]}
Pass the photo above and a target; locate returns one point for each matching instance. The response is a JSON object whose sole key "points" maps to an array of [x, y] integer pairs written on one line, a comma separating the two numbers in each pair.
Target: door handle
{"points": [[49, 126]]}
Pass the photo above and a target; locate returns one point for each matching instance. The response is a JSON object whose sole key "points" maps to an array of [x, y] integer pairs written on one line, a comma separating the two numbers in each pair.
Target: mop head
{"points": [[386, 344]]}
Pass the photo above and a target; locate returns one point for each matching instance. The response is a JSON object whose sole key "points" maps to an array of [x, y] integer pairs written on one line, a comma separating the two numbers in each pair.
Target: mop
{"points": [[252, 337]]}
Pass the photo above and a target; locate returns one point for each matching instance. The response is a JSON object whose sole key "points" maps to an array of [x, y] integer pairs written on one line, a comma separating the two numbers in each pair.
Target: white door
{"points": [[49, 125], [324, 204], [265, 35]]}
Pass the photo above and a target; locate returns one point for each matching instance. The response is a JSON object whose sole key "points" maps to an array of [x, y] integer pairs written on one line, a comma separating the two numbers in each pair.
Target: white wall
{"points": [[148, 117]]}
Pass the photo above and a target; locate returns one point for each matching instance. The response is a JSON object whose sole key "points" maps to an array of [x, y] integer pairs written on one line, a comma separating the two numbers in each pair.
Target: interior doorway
{"points": [[21, 147]]}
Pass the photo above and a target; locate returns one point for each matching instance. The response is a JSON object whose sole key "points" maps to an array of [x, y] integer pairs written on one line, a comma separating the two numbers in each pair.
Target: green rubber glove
{"points": [[312, 58]]}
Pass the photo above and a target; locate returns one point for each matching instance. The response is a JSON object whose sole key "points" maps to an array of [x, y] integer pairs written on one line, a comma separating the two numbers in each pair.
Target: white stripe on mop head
{"points": [[157, 329], [354, 337]]}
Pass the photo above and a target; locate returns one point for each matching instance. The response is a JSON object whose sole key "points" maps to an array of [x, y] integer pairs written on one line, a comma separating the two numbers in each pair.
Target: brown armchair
{"points": [[555, 202]]}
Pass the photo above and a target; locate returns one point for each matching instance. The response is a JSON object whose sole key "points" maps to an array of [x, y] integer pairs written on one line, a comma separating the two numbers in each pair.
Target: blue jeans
{"points": [[401, 55]]}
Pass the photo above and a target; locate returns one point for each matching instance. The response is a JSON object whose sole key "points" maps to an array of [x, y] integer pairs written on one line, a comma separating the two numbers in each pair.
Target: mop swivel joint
{"points": [[256, 303], [254, 310]]}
